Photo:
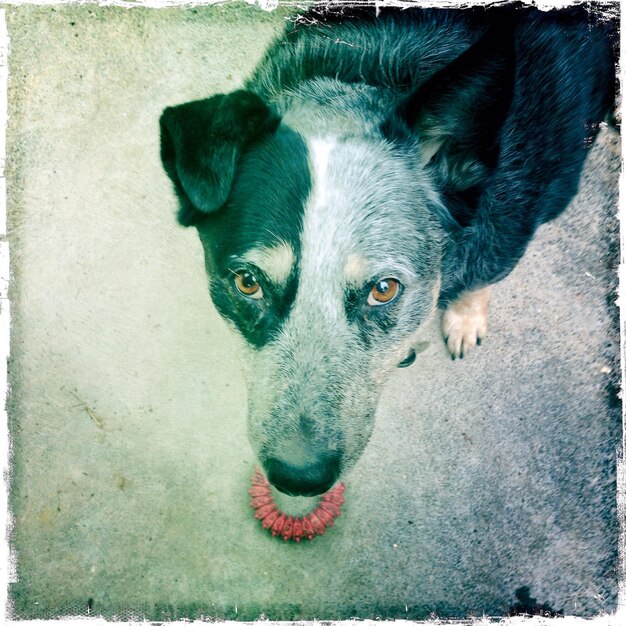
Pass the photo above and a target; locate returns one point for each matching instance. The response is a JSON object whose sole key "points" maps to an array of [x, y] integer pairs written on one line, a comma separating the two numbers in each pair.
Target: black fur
{"points": [[564, 78], [264, 207], [201, 143]]}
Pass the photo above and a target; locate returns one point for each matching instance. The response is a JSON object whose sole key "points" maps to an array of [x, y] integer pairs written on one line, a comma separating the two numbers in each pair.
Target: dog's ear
{"points": [[201, 143], [457, 113]]}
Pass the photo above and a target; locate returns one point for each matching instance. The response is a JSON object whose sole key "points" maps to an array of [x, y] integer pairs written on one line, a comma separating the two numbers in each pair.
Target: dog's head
{"points": [[324, 251]]}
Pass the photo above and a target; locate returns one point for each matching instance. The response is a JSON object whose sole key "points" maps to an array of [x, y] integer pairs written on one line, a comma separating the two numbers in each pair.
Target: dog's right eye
{"points": [[248, 285]]}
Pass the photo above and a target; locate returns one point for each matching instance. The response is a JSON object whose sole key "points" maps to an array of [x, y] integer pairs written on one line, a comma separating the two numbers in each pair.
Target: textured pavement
{"points": [[127, 405]]}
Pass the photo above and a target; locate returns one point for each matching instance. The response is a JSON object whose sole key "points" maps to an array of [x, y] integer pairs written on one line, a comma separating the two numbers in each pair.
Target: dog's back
{"points": [[401, 49]]}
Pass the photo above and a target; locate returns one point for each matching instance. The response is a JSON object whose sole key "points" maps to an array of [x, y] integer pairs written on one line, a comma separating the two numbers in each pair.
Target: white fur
{"points": [[325, 237]]}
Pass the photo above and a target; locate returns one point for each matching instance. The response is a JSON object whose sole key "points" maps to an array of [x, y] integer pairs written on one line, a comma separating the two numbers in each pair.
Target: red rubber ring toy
{"points": [[287, 526]]}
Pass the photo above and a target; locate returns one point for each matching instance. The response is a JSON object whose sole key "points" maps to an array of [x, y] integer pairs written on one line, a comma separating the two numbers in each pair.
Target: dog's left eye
{"points": [[383, 292], [248, 285]]}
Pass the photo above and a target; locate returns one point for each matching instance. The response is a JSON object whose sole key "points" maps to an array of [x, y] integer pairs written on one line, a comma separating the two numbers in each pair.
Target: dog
{"points": [[378, 166]]}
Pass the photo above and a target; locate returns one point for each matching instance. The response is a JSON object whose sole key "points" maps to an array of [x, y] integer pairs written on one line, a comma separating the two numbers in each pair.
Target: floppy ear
{"points": [[201, 143], [456, 114]]}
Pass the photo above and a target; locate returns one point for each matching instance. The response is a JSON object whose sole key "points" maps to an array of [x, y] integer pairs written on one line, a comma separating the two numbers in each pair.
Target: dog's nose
{"points": [[308, 480]]}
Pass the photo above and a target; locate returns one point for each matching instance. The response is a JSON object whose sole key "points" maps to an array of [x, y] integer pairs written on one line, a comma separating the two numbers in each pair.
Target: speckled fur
{"points": [[431, 142]]}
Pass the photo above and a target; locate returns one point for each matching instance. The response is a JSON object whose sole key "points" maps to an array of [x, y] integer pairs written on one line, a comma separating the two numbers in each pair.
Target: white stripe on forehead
{"points": [[327, 235], [322, 225], [276, 262], [358, 223]]}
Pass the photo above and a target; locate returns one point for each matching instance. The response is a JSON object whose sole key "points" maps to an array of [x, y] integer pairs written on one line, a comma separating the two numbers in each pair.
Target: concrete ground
{"points": [[127, 406]]}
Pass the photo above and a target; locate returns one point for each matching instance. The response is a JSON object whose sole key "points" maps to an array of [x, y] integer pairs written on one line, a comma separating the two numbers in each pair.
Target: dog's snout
{"points": [[307, 480]]}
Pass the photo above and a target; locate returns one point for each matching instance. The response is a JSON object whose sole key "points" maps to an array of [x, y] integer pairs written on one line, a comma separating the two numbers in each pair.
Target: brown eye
{"points": [[247, 284], [383, 291]]}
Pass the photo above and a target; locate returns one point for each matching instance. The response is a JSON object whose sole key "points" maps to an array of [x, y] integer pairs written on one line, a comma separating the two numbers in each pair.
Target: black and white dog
{"points": [[373, 168]]}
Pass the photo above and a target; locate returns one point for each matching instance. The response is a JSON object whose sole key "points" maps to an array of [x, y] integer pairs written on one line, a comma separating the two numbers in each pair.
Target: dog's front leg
{"points": [[464, 321]]}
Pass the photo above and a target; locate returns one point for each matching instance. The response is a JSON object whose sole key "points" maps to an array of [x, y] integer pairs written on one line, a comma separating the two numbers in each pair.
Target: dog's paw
{"points": [[464, 322]]}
